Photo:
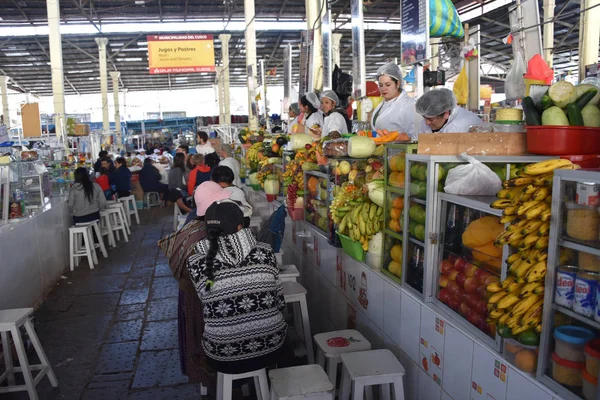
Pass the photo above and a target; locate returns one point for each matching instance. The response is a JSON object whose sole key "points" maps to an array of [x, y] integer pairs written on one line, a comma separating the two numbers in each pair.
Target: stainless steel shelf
{"points": [[480, 203], [394, 190], [581, 247], [393, 234], [415, 241], [417, 200], [588, 321]]}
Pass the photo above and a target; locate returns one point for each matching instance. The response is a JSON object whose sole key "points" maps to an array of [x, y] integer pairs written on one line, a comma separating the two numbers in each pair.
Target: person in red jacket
{"points": [[104, 182], [200, 173]]}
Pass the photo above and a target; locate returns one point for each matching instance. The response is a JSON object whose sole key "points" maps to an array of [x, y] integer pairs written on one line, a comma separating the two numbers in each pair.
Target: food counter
{"points": [[34, 253]]}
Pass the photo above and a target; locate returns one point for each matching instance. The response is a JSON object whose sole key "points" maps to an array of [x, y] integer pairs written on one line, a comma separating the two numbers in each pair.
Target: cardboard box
{"points": [[30, 120], [82, 129], [474, 144]]}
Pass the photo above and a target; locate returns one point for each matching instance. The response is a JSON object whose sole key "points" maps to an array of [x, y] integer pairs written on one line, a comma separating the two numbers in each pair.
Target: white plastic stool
{"points": [[117, 222], [106, 228], [11, 321], [151, 199], [289, 273], [75, 249], [304, 382], [176, 214], [370, 368], [121, 208], [130, 206], [181, 221], [293, 292], [95, 228], [331, 345], [225, 383]]}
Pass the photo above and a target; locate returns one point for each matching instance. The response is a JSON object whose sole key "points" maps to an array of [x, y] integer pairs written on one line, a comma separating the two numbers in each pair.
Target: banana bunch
{"points": [[347, 197], [361, 222], [252, 152]]}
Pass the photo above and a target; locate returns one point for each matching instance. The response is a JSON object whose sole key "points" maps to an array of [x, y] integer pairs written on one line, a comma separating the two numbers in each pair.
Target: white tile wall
{"points": [[376, 295], [458, 356], [428, 389], [520, 388], [487, 373], [411, 378], [410, 325], [446, 396], [391, 312]]}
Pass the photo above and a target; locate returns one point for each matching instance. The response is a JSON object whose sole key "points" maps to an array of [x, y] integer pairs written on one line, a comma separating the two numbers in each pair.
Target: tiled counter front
{"points": [[442, 361]]}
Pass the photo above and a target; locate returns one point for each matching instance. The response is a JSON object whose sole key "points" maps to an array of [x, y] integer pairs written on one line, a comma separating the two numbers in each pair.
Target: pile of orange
{"points": [[395, 219]]}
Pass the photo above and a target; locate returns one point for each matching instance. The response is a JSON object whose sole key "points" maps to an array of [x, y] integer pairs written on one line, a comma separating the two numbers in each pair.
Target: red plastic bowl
{"points": [[563, 140], [584, 161]]}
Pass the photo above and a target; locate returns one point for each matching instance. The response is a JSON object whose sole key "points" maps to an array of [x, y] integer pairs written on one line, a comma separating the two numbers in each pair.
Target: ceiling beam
{"points": [[93, 57], [280, 13], [160, 17], [185, 10], [126, 45], [89, 18]]}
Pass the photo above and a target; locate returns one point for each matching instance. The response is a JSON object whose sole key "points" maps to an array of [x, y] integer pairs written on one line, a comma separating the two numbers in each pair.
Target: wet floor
{"points": [[111, 333]]}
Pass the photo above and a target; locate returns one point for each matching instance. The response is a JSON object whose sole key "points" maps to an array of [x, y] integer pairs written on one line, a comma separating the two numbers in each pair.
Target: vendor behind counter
{"points": [[441, 114]]}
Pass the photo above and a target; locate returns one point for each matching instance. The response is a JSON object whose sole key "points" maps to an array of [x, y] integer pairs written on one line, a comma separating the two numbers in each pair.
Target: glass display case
{"points": [[569, 356], [30, 185], [317, 200]]}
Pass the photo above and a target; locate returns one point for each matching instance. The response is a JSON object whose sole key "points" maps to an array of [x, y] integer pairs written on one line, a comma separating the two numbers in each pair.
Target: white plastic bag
{"points": [[514, 84], [472, 179]]}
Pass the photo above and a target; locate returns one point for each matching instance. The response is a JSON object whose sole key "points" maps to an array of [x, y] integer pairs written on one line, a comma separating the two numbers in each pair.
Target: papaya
{"points": [[482, 231]]}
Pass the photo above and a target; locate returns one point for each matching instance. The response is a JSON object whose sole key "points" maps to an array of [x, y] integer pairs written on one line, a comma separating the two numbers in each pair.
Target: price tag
{"points": [[317, 253]]}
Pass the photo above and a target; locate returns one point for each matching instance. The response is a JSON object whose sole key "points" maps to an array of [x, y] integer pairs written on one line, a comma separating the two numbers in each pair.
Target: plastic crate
{"points": [[139, 204], [352, 248], [296, 214]]}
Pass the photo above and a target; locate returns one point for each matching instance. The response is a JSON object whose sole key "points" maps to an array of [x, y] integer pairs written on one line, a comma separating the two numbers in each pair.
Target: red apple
{"points": [[460, 279], [453, 288], [461, 295], [459, 264], [470, 269], [471, 299], [445, 267], [481, 275], [481, 291], [444, 295], [481, 308], [471, 285], [452, 258], [452, 275], [491, 279], [443, 281], [453, 303], [376, 165], [464, 309], [475, 319]]}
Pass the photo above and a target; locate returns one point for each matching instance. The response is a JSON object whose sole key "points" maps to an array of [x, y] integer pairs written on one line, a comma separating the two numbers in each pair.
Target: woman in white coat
{"points": [[313, 117], [442, 115], [336, 119], [397, 110]]}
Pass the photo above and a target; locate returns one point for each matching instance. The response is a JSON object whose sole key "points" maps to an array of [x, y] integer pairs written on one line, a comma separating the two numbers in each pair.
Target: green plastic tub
{"points": [[352, 248]]}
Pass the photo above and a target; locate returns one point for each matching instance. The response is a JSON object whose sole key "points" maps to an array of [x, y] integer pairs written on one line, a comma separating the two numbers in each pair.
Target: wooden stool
{"points": [[225, 383], [130, 206], [369, 368], [289, 273], [176, 214], [293, 292], [95, 228], [117, 222], [120, 207], [151, 199], [304, 382], [106, 228], [11, 321], [75, 250], [331, 345]]}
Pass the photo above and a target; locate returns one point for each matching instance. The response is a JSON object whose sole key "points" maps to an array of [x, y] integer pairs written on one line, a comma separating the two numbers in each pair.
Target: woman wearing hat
{"points": [[336, 119], [313, 117], [237, 280], [296, 118], [397, 111]]}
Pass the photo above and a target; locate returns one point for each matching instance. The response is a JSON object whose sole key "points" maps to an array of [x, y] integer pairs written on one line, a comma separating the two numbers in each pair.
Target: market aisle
{"points": [[111, 332]]}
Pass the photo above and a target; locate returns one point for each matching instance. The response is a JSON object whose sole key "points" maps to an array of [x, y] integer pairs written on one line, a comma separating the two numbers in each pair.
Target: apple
{"points": [[475, 319], [445, 267], [453, 303], [443, 281], [453, 288], [481, 275], [452, 275], [444, 295], [481, 291], [460, 295], [459, 264], [464, 309], [452, 258], [460, 279], [470, 269], [471, 284], [481, 308], [471, 299], [491, 279]]}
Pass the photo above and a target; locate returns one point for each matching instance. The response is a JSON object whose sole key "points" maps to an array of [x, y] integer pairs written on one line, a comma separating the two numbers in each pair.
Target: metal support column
{"points": [[287, 79], [4, 94], [359, 70], [115, 80], [473, 71], [589, 35], [220, 96], [263, 79], [225, 74], [315, 9], [435, 49], [335, 49], [250, 36], [102, 42], [548, 39], [56, 65]]}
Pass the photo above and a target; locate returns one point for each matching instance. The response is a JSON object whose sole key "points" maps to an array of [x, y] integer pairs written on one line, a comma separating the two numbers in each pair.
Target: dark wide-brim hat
{"points": [[224, 214]]}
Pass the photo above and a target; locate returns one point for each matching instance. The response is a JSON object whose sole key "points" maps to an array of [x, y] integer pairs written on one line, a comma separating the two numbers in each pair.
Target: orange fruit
{"points": [[395, 213], [526, 360], [398, 203], [511, 348], [396, 253]]}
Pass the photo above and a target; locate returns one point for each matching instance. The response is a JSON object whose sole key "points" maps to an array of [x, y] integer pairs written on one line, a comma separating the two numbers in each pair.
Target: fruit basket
{"points": [[352, 247], [563, 140]]}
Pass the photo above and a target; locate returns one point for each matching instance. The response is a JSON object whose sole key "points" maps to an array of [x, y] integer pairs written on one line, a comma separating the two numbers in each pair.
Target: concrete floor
{"points": [[111, 333]]}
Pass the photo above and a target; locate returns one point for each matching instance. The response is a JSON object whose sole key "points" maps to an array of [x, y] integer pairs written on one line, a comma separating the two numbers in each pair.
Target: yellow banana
{"points": [[508, 218], [545, 180], [502, 239], [512, 210], [521, 280], [542, 193], [529, 241], [518, 182], [524, 304], [531, 188], [494, 287], [572, 166], [526, 207], [536, 211], [533, 311], [495, 314], [548, 200], [542, 255], [520, 329], [540, 289], [517, 226], [546, 166], [546, 215], [543, 229], [523, 197], [529, 289], [531, 226], [512, 258], [523, 269], [502, 193], [512, 320], [515, 192], [496, 297], [501, 204], [515, 288], [542, 242], [514, 266], [538, 328], [506, 283], [508, 301], [503, 318], [515, 239], [537, 272]]}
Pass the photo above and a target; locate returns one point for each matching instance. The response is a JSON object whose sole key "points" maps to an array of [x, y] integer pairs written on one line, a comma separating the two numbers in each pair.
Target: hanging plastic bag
{"points": [[444, 20], [515, 84], [472, 179], [461, 86]]}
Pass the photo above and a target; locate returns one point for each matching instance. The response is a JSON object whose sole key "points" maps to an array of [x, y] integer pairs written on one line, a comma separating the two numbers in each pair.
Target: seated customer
{"points": [[224, 176], [104, 181], [200, 173], [121, 178], [204, 196], [86, 198], [177, 185], [150, 180], [237, 280]]}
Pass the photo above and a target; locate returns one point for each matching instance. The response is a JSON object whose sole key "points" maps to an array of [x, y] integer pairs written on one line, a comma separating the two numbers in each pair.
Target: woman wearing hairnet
{"points": [[441, 114], [313, 117], [336, 119], [296, 117], [397, 110]]}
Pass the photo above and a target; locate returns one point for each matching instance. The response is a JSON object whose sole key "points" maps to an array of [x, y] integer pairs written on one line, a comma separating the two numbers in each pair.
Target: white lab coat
{"points": [[397, 115], [314, 119], [235, 167], [459, 122], [334, 122]]}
